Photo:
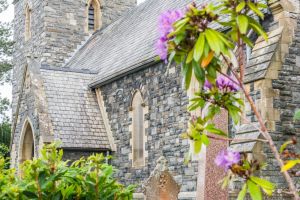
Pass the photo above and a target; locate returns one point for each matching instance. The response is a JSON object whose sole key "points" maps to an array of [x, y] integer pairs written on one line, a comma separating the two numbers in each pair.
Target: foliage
{"points": [[6, 49], [206, 53], [297, 115], [6, 46], [49, 177], [291, 157], [5, 132], [4, 150]]}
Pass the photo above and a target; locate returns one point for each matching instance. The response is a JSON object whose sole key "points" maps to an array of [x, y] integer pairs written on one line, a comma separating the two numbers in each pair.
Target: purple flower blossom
{"points": [[227, 158], [223, 84], [226, 85], [166, 21], [161, 47], [165, 25], [207, 85]]}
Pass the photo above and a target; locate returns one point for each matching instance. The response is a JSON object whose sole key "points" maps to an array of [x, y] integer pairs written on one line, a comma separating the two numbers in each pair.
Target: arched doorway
{"points": [[26, 150]]}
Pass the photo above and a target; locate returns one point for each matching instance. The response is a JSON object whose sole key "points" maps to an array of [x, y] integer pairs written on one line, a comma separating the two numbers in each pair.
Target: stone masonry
{"points": [[167, 102]]}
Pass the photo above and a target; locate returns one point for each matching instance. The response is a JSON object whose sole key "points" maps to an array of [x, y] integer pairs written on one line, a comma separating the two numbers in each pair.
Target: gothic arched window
{"points": [[27, 23], [93, 16], [138, 130]]}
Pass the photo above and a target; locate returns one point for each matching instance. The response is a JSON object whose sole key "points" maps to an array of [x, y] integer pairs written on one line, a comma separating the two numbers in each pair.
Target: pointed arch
{"points": [[93, 16], [27, 22], [26, 145], [138, 127]]}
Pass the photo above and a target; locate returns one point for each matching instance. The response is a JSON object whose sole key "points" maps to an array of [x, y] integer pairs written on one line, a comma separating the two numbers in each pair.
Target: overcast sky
{"points": [[7, 16]]}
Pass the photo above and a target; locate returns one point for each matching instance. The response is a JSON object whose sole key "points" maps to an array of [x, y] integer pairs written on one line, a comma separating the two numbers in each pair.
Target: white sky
{"points": [[140, 1], [7, 16]]}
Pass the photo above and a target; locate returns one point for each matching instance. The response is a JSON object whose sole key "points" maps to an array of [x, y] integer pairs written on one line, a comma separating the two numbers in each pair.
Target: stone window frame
{"points": [[145, 127], [28, 21], [27, 122], [97, 15]]}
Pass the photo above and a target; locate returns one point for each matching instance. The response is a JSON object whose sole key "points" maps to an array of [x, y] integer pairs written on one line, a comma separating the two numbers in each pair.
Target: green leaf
{"points": [[267, 186], [188, 75], [196, 103], [243, 192], [199, 72], [197, 146], [254, 190], [261, 5], [199, 47], [205, 139], [247, 41], [290, 164], [234, 113], [212, 129], [241, 6], [253, 7], [213, 40], [190, 56], [283, 147], [262, 182], [243, 23], [179, 27], [258, 29], [212, 71], [179, 38], [297, 115]]}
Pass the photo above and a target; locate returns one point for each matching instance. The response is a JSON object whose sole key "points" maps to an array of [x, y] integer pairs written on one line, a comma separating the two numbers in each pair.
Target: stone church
{"points": [[86, 73]]}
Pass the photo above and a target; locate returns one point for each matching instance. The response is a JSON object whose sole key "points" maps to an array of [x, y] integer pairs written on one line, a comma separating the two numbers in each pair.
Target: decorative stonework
{"points": [[161, 184], [105, 120]]}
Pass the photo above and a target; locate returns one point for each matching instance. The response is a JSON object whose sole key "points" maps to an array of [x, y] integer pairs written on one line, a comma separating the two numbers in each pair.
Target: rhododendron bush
{"points": [[215, 57], [50, 178]]}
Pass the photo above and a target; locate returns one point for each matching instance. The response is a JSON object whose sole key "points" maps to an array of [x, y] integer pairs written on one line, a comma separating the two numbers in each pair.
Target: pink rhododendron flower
{"points": [[227, 158], [165, 26]]}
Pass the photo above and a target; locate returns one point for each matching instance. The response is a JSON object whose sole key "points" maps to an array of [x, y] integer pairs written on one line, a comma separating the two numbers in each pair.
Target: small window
{"points": [[93, 16], [138, 134], [27, 23]]}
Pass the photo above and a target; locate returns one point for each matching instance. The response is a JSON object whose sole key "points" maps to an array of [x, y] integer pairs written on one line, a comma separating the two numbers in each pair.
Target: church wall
{"points": [[166, 118]]}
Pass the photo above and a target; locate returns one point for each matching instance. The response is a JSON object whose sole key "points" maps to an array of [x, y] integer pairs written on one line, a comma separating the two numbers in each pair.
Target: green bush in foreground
{"points": [[50, 178]]}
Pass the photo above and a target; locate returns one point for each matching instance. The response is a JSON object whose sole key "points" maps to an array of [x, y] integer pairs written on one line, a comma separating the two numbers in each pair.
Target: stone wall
{"points": [[167, 119], [288, 100]]}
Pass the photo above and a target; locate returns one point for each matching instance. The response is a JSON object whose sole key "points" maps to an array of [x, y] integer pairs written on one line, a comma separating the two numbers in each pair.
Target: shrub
{"points": [[49, 177]]}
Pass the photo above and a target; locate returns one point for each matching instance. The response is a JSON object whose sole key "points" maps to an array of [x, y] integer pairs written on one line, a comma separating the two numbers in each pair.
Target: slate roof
{"points": [[73, 110], [126, 44], [245, 139], [261, 56]]}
